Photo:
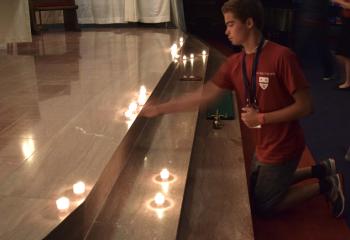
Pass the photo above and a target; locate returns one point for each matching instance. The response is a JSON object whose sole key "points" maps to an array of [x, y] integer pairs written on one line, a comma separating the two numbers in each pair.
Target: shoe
{"points": [[328, 77], [329, 166], [335, 195]]}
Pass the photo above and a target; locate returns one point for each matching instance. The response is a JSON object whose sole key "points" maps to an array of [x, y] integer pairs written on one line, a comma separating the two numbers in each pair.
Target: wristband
{"points": [[261, 118]]}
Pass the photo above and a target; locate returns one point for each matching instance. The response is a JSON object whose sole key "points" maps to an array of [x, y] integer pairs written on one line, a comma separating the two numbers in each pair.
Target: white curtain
{"points": [[131, 11], [153, 11], [100, 11], [121, 11], [14, 21]]}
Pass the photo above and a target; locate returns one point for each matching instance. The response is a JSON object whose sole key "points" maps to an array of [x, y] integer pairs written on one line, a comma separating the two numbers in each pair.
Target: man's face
{"points": [[236, 31]]}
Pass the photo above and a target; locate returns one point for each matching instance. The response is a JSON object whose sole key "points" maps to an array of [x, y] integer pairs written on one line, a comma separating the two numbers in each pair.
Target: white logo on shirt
{"points": [[263, 82]]}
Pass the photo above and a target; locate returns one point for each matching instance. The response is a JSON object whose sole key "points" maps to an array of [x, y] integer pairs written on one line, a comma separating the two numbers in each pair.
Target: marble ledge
{"points": [[63, 122]]}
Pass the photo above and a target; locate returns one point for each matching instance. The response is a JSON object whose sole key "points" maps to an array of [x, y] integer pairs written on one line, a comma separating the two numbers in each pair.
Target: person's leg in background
{"points": [[346, 83], [341, 67], [343, 54]]}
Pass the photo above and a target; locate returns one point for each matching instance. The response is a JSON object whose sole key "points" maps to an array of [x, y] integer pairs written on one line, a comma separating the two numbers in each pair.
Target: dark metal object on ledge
{"points": [[217, 124]]}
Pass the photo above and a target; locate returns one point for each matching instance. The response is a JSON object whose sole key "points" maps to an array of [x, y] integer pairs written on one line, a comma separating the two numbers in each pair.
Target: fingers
{"points": [[146, 111], [149, 111], [245, 112], [152, 102], [247, 109], [244, 117], [248, 116]]}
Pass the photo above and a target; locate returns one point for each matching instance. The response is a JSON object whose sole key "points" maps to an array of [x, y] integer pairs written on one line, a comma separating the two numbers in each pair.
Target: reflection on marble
{"points": [[62, 102], [26, 218]]}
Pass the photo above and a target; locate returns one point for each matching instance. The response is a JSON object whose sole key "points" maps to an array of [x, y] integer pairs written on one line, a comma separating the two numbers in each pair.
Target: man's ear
{"points": [[249, 23]]}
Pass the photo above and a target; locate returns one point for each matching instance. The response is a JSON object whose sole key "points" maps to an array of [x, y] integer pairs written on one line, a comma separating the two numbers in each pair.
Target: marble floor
{"points": [[63, 100]]}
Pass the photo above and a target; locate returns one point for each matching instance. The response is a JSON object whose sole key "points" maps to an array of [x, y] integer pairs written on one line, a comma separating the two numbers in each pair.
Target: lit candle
{"points": [[79, 188], [203, 58], [181, 39], [191, 67], [142, 100], [192, 56], [184, 60], [62, 203], [143, 90], [159, 199], [133, 107], [142, 96], [128, 114], [204, 53], [174, 51], [164, 174], [130, 121]]}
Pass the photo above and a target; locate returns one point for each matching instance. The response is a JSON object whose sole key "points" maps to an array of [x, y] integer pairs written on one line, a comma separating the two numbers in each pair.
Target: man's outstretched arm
{"points": [[188, 102]]}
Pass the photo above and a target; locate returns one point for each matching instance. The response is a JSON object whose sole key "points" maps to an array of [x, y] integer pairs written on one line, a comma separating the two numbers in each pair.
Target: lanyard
{"points": [[250, 89]]}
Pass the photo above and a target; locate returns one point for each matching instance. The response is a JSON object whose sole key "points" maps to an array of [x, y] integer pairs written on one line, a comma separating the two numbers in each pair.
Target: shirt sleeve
{"points": [[291, 72], [222, 77]]}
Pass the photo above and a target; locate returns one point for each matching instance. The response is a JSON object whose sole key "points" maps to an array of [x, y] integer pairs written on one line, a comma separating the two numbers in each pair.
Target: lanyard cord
{"points": [[250, 89]]}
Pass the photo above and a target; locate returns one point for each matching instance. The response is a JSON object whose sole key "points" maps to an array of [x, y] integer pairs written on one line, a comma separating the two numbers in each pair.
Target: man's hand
{"points": [[250, 117], [150, 110]]}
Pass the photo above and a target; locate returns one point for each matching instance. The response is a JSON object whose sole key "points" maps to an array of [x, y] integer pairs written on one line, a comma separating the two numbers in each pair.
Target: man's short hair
{"points": [[244, 9]]}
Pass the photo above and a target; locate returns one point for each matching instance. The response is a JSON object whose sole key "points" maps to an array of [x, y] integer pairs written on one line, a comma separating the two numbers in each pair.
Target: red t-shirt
{"points": [[279, 75]]}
